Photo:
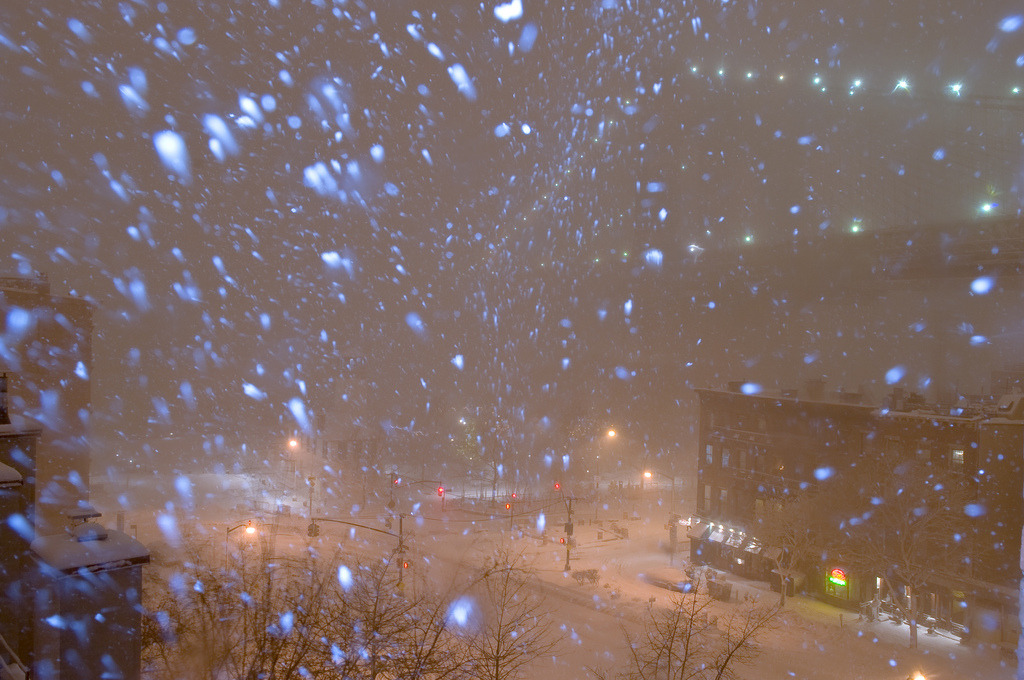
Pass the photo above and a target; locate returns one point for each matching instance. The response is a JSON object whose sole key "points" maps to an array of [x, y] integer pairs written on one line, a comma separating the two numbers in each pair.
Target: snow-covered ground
{"points": [[812, 639]]}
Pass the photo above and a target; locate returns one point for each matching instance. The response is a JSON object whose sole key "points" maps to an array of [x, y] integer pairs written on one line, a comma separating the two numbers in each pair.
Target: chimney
{"points": [[815, 388], [897, 399]]}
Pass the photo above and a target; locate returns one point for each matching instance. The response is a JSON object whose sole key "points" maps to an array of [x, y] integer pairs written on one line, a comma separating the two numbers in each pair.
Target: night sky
{"points": [[434, 211]]}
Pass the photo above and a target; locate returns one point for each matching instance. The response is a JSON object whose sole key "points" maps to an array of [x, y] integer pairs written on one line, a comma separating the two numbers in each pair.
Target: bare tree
{"points": [[791, 530], [246, 620], [739, 635], [908, 527], [279, 618], [515, 629], [374, 630], [687, 641]]}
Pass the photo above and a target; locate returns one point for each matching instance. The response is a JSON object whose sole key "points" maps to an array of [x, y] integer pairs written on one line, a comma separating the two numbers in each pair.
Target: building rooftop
{"points": [[89, 546], [1008, 408]]}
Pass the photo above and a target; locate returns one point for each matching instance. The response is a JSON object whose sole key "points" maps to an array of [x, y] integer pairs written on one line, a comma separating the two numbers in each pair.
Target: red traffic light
{"points": [[562, 540], [557, 486], [508, 506], [440, 491], [405, 565]]}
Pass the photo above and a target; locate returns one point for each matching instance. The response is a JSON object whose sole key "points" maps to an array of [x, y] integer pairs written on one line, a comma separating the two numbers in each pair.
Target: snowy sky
{"points": [[253, 191]]}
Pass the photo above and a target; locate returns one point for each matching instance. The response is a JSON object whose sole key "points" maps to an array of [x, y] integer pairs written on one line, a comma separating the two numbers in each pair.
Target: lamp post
{"points": [[649, 473], [250, 530], [291, 463]]}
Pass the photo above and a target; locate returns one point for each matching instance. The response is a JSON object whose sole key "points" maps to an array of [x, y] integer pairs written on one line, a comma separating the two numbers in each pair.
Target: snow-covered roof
{"points": [[8, 430], [847, 400], [9, 475], [91, 546]]}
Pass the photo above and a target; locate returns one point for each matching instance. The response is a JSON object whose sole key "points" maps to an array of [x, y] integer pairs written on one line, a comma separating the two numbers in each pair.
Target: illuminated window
{"points": [[956, 457]]}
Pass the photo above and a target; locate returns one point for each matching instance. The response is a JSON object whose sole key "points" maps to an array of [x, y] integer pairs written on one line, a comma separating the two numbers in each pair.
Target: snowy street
{"points": [[810, 636]]}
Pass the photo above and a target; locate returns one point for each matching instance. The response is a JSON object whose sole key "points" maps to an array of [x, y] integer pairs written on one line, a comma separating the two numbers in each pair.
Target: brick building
{"points": [[760, 448]]}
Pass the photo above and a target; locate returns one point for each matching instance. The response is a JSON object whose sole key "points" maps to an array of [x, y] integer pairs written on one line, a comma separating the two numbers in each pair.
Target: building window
{"points": [[707, 497], [743, 460], [723, 499], [709, 454], [956, 459], [725, 458]]}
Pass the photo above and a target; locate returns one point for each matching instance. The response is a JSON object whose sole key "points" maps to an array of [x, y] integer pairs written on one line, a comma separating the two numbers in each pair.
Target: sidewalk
{"points": [[812, 635]]}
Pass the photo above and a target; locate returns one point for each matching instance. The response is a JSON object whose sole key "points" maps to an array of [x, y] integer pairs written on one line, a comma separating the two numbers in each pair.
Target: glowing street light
{"points": [[250, 530], [612, 434]]}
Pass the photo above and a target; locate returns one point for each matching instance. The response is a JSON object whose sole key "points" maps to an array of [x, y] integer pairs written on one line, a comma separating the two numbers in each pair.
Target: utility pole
{"points": [[401, 537], [312, 485], [568, 534], [401, 552]]}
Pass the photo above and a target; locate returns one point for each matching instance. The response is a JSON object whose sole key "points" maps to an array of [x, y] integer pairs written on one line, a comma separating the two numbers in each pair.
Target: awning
{"points": [[772, 554], [698, 532], [734, 539], [752, 546], [717, 536]]}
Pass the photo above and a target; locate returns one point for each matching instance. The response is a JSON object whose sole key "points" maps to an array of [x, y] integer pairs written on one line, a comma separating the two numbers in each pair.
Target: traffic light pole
{"points": [[401, 551], [312, 485], [568, 538]]}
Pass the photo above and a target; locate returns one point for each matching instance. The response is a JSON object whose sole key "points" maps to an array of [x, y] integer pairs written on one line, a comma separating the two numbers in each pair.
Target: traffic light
{"points": [[562, 540], [514, 496], [405, 564], [558, 487], [313, 529], [568, 528], [395, 479], [440, 491], [508, 506]]}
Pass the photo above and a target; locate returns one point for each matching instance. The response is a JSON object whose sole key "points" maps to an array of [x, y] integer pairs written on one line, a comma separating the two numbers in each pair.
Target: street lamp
{"points": [[250, 530], [649, 475]]}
